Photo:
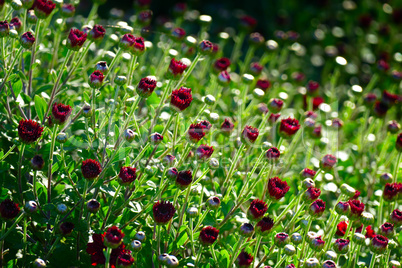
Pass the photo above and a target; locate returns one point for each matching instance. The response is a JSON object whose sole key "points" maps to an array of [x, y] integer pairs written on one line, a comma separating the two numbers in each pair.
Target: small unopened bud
{"points": [[61, 137], [331, 255], [156, 138], [281, 239], [120, 80], [209, 99], [87, 110], [102, 67], [37, 162], [39, 263], [386, 178], [247, 78], [129, 135], [347, 190], [136, 245], [394, 264], [342, 208], [213, 163], [31, 17], [163, 258], [312, 263], [172, 173], [213, 202], [359, 238], [296, 238], [307, 183], [367, 218], [13, 34], [258, 93], [140, 236], [172, 262], [289, 250], [192, 212], [246, 230], [61, 208], [169, 160], [31, 207], [93, 206], [27, 40]]}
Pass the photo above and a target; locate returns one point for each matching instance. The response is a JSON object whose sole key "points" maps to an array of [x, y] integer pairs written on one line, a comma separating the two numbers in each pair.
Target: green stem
{"points": [[236, 251], [50, 173], [329, 241], [107, 256], [8, 152], [398, 161], [201, 219], [92, 13], [310, 221], [372, 262], [10, 229], [110, 121], [247, 59], [190, 70], [257, 246], [19, 171], [11, 66], [131, 70], [232, 167], [116, 193], [158, 109], [198, 257]]}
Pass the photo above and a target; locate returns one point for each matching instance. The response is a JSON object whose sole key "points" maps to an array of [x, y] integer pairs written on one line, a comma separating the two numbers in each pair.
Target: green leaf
{"points": [[17, 87], [22, 76], [40, 107], [224, 259]]}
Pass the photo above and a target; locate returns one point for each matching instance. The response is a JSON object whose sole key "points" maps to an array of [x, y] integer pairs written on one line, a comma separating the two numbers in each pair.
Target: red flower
{"points": [[67, 10], [311, 194], [163, 212], [389, 98], [248, 22], [113, 237], [90, 169], [273, 117], [307, 173], [138, 46], [204, 152], [60, 113], [380, 109], [398, 143], [127, 175], [66, 228], [4, 28], [396, 217], [176, 68], [181, 99], [249, 134], [387, 229], [227, 127], [391, 191], [205, 47], [311, 115], [127, 41], [378, 244], [15, 24], [356, 208], [27, 40], [244, 259], [369, 99], [275, 105], [341, 228], [317, 101], [196, 132], [257, 209], [221, 64], [208, 235], [145, 87], [328, 162], [273, 154], [264, 226], [256, 68], [370, 232], [37, 162], [125, 259], [96, 79], [206, 125], [29, 131], [224, 78], [43, 8], [96, 248], [97, 33], [341, 246], [383, 65], [277, 188], [317, 208], [178, 34], [263, 84], [312, 87], [288, 127], [184, 179], [9, 210]]}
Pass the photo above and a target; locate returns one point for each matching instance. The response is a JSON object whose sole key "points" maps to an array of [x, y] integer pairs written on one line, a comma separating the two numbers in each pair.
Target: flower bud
{"points": [[396, 217], [386, 178], [67, 10], [311, 263], [113, 237], [172, 262], [224, 78], [329, 264], [27, 4], [308, 174], [317, 208], [192, 212], [246, 230], [87, 110], [96, 79], [367, 218], [27, 40], [394, 264], [37, 162], [76, 39], [61, 137], [120, 80], [156, 138], [387, 230], [136, 245], [31, 207], [331, 255], [31, 17], [378, 244], [341, 246], [213, 202], [209, 100], [93, 206], [359, 238], [102, 67], [264, 226], [66, 228], [39, 263], [342, 208], [205, 47], [129, 135], [247, 78], [307, 183], [328, 162], [61, 208], [281, 239], [289, 250], [296, 238], [169, 160], [140, 236], [163, 258]]}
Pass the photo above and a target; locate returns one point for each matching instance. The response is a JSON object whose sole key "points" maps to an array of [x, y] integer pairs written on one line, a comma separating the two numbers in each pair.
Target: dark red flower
{"points": [[396, 217], [66, 228], [113, 237], [316, 132], [96, 248], [29, 131], [16, 24], [178, 34], [307, 173], [176, 68], [256, 68], [275, 105], [43, 8], [341, 246], [390, 191], [224, 78], [398, 143], [184, 179], [263, 84], [328, 162], [244, 259], [27, 40], [297, 76], [311, 115], [221, 64], [248, 22], [369, 232], [281, 239], [227, 127], [204, 152], [357, 194], [317, 208], [145, 87], [97, 33], [93, 205], [156, 138], [4, 28], [273, 117], [249, 134], [356, 208], [60, 113], [273, 154], [389, 98], [163, 212], [125, 259], [90, 169], [144, 17], [264, 226], [387, 230], [208, 235], [37, 162], [288, 127], [378, 244], [127, 175], [96, 79], [9, 210], [341, 228], [257, 209], [67, 10], [317, 101], [205, 47], [393, 126], [312, 87], [196, 132], [138, 46], [181, 99], [311, 194], [383, 65], [277, 188], [127, 42], [369, 99], [380, 109], [206, 125]]}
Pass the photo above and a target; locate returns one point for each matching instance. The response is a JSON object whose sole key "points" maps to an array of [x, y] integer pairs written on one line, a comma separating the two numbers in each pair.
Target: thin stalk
{"points": [[310, 221], [49, 173], [33, 53], [11, 66], [257, 246], [158, 109], [107, 257], [92, 13], [116, 193], [398, 161], [247, 59], [372, 262], [232, 167], [198, 257], [131, 70], [190, 70], [11, 228], [239, 244], [201, 219], [8, 152], [19, 171], [329, 241]]}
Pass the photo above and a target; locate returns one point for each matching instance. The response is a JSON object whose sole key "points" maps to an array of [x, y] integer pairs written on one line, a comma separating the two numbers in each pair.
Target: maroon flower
{"points": [[317, 208], [16, 24], [4, 28], [96, 248], [387, 230], [393, 126], [96, 79], [272, 154], [341, 246], [221, 64], [156, 138], [263, 84], [90, 169], [227, 127], [383, 65], [113, 237], [328, 162], [93, 205], [127, 175], [208, 235], [370, 232], [264, 226], [204, 152], [248, 22], [205, 47], [378, 244], [138, 46], [196, 132], [97, 33], [337, 123], [380, 109], [181, 99], [396, 217], [316, 132], [273, 117], [369, 99], [184, 179], [29, 131], [60, 113], [257, 209], [125, 259], [389, 98], [341, 228], [144, 17], [224, 78], [67, 10], [311, 194], [297, 76], [311, 115], [277, 188], [145, 87], [256, 68], [307, 173], [317, 101], [178, 34], [312, 88], [27, 40], [37, 162], [281, 239], [391, 191], [206, 125], [127, 42], [244, 259], [163, 212], [275, 105], [66, 228], [176, 69], [398, 143], [288, 127], [9, 210], [43, 8], [249, 134], [356, 208]]}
